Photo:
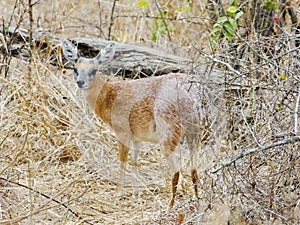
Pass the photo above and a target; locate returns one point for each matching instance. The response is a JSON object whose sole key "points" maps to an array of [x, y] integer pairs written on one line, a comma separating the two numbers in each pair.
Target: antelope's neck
{"points": [[101, 96], [91, 94]]}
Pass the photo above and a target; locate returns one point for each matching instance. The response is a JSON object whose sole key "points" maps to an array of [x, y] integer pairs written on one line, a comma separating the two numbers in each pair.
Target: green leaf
{"points": [[217, 28], [162, 30], [222, 19], [143, 4], [232, 10], [282, 77], [185, 8], [5, 27], [278, 107], [215, 38], [162, 15], [154, 36], [238, 15], [270, 4], [169, 28], [230, 31], [233, 23]]}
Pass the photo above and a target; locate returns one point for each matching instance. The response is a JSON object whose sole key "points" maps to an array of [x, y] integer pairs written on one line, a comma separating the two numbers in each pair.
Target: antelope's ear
{"points": [[69, 51], [106, 54]]}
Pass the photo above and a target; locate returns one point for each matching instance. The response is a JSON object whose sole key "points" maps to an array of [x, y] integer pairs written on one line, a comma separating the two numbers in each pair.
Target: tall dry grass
{"points": [[59, 164]]}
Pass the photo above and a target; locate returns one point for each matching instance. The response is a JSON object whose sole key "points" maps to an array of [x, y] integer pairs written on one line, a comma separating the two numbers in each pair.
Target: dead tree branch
{"points": [[255, 150]]}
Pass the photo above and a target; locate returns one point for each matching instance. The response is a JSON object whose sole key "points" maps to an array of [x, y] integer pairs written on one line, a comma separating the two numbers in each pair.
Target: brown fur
{"points": [[157, 109]]}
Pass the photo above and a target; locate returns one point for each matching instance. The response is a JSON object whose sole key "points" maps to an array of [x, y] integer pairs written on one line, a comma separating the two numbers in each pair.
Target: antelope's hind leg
{"points": [[195, 178], [135, 150], [169, 150]]}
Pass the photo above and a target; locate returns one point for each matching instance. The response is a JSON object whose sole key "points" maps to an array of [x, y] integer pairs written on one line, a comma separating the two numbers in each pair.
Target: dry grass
{"points": [[59, 163]]}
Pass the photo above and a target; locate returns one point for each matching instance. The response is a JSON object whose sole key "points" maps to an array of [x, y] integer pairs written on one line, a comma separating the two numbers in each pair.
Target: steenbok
{"points": [[165, 110]]}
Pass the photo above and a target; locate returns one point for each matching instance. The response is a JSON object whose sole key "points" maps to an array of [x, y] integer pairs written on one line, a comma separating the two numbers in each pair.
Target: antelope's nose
{"points": [[80, 83]]}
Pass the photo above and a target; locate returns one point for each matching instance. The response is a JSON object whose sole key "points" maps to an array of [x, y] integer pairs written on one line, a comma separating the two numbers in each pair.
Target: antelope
{"points": [[163, 110]]}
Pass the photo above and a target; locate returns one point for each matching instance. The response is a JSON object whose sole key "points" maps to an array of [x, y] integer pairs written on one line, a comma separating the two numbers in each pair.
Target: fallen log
{"points": [[130, 61]]}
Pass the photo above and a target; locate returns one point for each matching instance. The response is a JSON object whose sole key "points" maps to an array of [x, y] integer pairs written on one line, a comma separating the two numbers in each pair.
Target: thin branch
{"points": [[47, 197], [30, 14], [268, 61], [100, 20], [213, 59], [163, 19], [272, 60], [182, 19], [267, 210], [255, 150], [111, 20], [250, 129], [297, 112]]}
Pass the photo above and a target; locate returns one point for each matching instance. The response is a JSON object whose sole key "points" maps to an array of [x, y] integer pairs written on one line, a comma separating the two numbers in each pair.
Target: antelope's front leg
{"points": [[123, 155], [175, 179]]}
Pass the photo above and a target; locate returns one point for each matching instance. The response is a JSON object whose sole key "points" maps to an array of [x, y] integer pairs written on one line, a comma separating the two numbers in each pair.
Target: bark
{"points": [[130, 60]]}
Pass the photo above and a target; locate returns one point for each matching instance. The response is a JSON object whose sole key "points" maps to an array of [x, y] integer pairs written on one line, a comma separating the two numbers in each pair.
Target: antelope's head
{"points": [[85, 69]]}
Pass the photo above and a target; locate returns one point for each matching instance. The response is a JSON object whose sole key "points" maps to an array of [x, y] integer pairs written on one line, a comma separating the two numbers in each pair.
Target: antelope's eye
{"points": [[75, 72], [93, 72]]}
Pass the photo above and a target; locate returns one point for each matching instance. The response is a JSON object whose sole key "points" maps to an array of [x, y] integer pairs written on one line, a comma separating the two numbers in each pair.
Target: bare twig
{"points": [[255, 150], [47, 197], [250, 129], [297, 112], [8, 42], [267, 210], [215, 60], [163, 19], [30, 14], [100, 19], [111, 20], [175, 19]]}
